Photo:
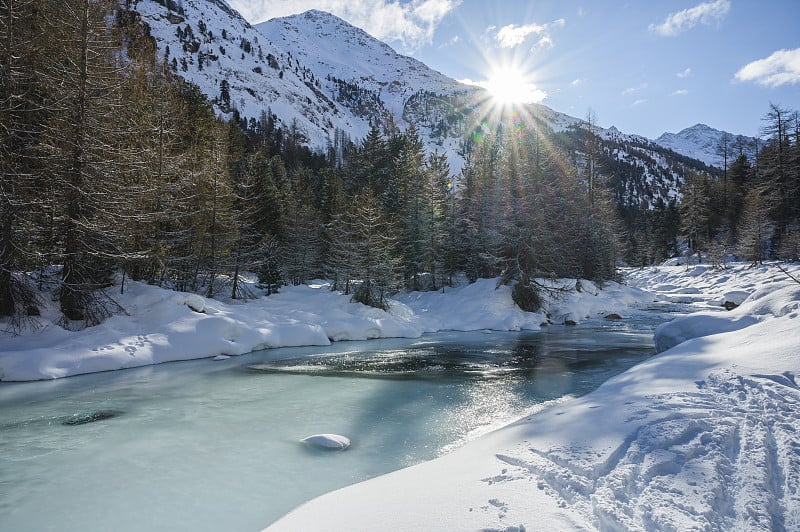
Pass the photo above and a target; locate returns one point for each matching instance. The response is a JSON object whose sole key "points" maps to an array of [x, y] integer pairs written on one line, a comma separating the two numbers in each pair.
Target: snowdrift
{"points": [[162, 326]]}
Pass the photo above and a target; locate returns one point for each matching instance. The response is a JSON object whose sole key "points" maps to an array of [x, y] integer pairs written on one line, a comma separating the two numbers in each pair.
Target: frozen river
{"points": [[214, 445]]}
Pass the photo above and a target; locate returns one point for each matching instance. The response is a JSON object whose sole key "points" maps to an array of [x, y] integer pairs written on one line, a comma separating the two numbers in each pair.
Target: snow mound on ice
{"points": [[328, 441]]}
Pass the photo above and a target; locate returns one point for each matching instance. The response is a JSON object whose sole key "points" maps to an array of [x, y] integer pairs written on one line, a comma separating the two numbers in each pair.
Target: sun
{"points": [[509, 86]]}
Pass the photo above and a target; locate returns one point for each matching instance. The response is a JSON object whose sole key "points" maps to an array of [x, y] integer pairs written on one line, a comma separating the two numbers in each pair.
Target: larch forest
{"points": [[113, 167]]}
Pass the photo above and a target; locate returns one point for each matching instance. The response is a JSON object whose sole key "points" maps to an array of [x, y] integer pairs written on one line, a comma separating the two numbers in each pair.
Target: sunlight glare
{"points": [[509, 86]]}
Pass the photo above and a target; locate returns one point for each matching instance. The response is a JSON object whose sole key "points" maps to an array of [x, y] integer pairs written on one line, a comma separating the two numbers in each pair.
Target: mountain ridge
{"points": [[318, 76]]}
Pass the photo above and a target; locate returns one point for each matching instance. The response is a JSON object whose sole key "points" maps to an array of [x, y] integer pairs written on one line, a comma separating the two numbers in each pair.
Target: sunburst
{"points": [[511, 86]]}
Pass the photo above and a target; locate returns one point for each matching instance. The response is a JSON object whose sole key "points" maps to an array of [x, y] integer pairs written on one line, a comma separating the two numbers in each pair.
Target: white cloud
{"points": [[575, 82], [639, 102], [412, 24], [512, 35], [780, 68], [684, 73], [545, 42], [455, 40], [633, 90], [706, 13], [680, 92]]}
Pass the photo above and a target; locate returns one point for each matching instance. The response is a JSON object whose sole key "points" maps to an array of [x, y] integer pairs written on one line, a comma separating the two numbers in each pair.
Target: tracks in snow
{"points": [[723, 457]]}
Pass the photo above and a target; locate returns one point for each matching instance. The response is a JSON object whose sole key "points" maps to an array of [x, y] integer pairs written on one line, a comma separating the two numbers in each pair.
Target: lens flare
{"points": [[509, 85]]}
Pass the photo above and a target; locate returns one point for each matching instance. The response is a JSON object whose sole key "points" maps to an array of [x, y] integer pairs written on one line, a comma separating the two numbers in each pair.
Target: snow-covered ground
{"points": [[701, 437], [161, 326]]}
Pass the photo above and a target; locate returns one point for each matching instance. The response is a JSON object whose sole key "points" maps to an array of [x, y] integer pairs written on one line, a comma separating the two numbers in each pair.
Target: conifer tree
{"points": [[85, 140], [21, 113], [695, 212], [437, 180], [755, 227], [300, 256]]}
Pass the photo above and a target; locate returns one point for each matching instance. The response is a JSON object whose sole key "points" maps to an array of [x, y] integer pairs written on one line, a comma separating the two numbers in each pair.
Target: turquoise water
{"points": [[214, 445]]}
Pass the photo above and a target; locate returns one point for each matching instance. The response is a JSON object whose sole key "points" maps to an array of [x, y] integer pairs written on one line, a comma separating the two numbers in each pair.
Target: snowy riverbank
{"points": [[162, 326], [702, 436]]}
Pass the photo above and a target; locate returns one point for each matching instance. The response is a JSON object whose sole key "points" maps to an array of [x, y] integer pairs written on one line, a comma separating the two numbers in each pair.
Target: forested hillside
{"points": [[113, 165]]}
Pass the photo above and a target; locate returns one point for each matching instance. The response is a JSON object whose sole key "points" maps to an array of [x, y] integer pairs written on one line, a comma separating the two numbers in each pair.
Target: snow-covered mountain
{"points": [[320, 77], [324, 45], [704, 143], [208, 43], [314, 72]]}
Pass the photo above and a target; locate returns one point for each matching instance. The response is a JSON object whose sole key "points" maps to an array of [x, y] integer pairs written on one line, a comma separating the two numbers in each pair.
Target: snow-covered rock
{"points": [[328, 441]]}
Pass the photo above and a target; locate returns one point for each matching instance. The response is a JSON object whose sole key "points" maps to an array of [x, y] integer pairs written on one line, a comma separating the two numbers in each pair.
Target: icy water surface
{"points": [[214, 446]]}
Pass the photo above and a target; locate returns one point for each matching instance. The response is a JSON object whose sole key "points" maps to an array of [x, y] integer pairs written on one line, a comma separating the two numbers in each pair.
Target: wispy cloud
{"points": [[780, 68], [684, 73], [577, 81], [634, 90], [680, 92], [455, 40], [412, 24], [512, 35], [639, 102], [706, 13]]}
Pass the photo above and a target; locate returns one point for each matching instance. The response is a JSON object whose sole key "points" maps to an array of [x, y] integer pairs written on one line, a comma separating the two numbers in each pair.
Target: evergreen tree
{"points": [[362, 253], [404, 195], [435, 216], [224, 95]]}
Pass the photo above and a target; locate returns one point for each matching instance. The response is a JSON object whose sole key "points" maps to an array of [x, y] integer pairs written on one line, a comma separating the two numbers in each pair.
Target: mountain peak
{"points": [[699, 141], [699, 127], [318, 14]]}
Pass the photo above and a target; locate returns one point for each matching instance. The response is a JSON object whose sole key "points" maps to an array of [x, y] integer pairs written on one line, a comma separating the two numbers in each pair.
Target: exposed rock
{"points": [[569, 322], [734, 298], [83, 418], [196, 303], [613, 316]]}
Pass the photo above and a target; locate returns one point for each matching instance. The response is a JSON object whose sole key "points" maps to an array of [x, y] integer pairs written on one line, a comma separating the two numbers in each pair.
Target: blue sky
{"points": [[645, 67]]}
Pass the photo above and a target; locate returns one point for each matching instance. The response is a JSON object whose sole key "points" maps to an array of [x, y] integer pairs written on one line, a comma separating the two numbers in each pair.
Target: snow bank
{"points": [[700, 437], [162, 326], [765, 303]]}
